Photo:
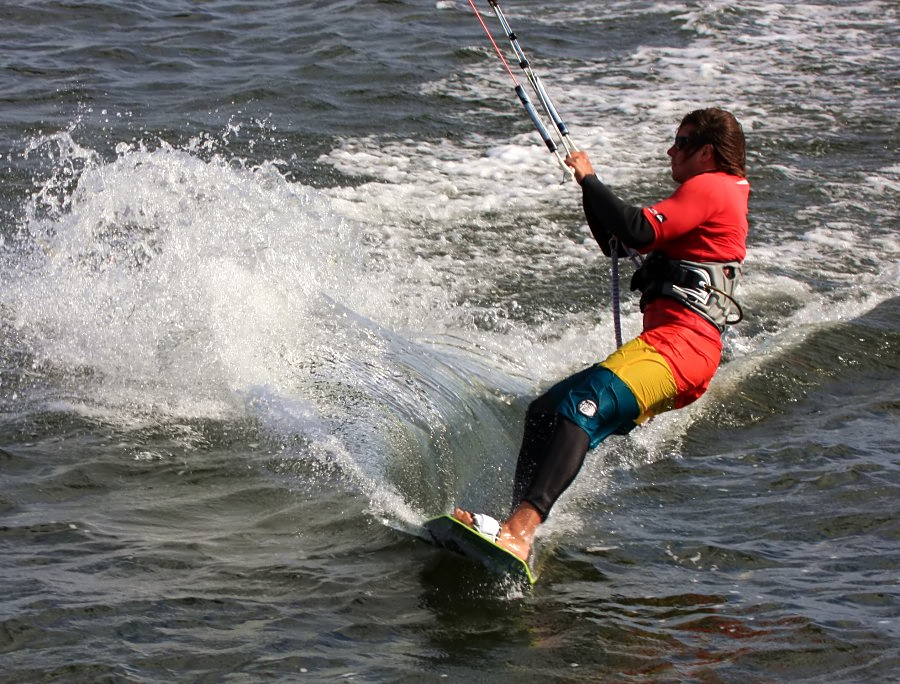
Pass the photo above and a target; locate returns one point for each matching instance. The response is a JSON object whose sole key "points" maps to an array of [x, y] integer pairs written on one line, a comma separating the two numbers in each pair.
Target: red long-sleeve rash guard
{"points": [[705, 219]]}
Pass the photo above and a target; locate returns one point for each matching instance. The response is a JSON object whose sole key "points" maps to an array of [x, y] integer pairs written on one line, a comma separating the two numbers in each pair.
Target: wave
{"points": [[395, 328]]}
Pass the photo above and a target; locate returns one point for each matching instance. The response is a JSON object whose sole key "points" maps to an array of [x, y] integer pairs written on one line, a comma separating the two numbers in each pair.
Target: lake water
{"points": [[279, 280]]}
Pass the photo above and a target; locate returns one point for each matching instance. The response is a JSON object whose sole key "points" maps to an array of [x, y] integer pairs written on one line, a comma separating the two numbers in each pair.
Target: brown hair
{"points": [[720, 129]]}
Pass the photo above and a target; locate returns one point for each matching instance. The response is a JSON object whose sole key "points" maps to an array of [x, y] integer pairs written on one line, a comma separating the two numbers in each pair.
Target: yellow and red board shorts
{"points": [[666, 367], [647, 374]]}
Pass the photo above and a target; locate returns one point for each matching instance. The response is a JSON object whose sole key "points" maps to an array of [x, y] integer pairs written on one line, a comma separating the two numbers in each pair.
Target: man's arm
{"points": [[607, 216]]}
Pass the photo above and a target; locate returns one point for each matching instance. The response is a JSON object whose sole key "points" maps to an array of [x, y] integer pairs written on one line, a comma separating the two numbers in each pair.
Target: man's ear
{"points": [[708, 157]]}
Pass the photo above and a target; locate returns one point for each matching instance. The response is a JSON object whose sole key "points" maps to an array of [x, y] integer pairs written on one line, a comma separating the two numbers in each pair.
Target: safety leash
{"points": [[614, 276], [638, 261]]}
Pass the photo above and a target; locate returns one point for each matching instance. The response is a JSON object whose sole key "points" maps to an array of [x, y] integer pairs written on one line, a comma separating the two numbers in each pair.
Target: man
{"points": [[696, 240]]}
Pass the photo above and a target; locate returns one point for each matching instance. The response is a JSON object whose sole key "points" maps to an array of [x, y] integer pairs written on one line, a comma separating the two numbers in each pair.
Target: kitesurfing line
{"points": [[536, 85], [562, 132], [534, 80]]}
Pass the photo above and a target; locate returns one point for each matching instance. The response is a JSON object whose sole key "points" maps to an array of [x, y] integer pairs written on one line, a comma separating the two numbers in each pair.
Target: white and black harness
{"points": [[704, 287]]}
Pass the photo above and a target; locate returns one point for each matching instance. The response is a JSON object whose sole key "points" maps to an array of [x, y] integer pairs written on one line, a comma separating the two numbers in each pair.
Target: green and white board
{"points": [[449, 533]]}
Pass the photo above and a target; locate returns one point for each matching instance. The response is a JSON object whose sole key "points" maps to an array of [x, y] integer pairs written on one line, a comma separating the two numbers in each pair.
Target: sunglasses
{"points": [[682, 141]]}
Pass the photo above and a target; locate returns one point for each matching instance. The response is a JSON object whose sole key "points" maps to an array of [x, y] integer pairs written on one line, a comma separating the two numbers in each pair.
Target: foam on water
{"points": [[768, 62], [196, 286], [224, 360], [372, 318], [178, 285]]}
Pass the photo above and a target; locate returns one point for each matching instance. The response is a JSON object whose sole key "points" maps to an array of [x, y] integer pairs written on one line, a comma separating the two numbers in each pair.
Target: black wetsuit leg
{"points": [[540, 424], [552, 453]]}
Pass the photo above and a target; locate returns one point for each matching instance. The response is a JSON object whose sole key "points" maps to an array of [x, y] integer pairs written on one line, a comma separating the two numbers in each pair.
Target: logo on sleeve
{"points": [[660, 218]]}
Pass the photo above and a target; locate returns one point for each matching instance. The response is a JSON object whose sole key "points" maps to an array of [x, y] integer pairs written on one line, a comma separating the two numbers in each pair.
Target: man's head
{"points": [[708, 140]]}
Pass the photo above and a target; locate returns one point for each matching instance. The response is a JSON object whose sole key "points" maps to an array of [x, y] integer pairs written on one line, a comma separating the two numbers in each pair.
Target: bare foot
{"points": [[516, 532], [464, 517]]}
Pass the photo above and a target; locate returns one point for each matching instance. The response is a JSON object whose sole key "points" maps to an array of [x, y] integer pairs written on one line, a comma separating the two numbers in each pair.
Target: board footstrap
{"points": [[449, 533]]}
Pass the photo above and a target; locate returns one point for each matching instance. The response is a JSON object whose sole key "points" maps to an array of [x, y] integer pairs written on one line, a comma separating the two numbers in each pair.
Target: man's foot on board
{"points": [[516, 539]]}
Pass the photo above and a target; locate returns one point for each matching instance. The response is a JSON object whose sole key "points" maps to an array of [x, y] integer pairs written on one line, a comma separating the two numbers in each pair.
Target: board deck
{"points": [[449, 533]]}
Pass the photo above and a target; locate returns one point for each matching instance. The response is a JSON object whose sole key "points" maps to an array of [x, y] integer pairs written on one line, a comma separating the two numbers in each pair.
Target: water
{"points": [[279, 281]]}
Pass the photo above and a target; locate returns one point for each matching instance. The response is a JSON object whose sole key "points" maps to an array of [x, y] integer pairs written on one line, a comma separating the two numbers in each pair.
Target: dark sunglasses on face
{"points": [[682, 141]]}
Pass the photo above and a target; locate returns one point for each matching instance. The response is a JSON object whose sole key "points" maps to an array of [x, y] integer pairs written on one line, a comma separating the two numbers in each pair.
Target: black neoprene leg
{"points": [[553, 450], [554, 447], [540, 424], [562, 461]]}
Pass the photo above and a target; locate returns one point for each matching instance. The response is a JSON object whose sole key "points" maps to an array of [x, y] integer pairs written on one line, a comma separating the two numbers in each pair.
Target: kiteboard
{"points": [[447, 532]]}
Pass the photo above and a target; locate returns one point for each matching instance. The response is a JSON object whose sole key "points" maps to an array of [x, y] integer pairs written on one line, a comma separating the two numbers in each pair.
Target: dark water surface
{"points": [[278, 282]]}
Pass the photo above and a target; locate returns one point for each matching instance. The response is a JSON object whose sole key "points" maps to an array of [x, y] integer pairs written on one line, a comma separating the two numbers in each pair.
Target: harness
{"points": [[706, 288]]}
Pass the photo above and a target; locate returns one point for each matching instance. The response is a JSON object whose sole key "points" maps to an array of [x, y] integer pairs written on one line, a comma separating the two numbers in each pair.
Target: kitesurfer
{"points": [[696, 242]]}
